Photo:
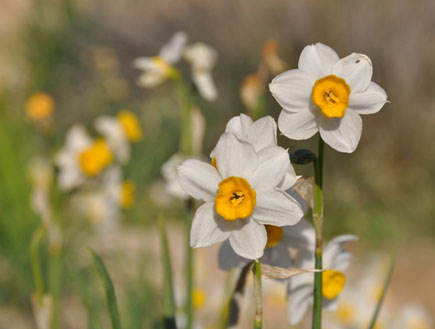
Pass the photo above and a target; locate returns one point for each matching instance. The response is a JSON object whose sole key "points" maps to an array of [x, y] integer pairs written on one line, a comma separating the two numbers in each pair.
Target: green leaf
{"points": [[384, 291], [108, 290], [168, 286]]}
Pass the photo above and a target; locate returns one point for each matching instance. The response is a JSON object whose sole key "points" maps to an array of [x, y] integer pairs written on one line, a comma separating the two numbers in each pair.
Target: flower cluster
{"points": [[248, 186]]}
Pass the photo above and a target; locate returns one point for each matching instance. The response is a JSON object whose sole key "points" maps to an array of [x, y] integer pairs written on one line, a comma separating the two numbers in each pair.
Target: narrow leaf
{"points": [[108, 290], [384, 292], [168, 286]]}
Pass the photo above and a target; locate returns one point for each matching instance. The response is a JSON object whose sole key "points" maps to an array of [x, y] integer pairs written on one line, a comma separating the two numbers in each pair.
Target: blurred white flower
{"points": [[101, 205], [41, 176], [240, 194], [169, 172], [413, 316], [202, 58], [119, 131], [327, 94], [159, 68], [260, 134], [300, 289], [271, 58], [276, 252], [81, 157]]}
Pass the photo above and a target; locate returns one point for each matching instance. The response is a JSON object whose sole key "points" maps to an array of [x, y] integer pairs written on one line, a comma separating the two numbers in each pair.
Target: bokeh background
{"points": [[81, 52]]}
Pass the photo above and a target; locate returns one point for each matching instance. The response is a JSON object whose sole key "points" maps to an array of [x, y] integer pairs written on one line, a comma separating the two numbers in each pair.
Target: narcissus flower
{"points": [[81, 158], [202, 58], [241, 195], [119, 132], [300, 289], [327, 94], [159, 68]]}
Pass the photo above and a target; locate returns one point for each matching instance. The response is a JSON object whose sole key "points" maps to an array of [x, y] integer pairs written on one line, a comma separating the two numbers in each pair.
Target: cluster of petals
{"points": [[301, 118]]}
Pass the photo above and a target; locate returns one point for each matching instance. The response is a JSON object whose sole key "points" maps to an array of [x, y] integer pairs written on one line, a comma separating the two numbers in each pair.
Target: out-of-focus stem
{"points": [[36, 263], [258, 320], [185, 101], [318, 224]]}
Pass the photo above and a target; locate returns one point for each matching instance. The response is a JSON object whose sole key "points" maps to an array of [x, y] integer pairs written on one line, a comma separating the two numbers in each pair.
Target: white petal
{"points": [[151, 79], [207, 227], [356, 69], [144, 63], [342, 134], [239, 126], [77, 138], [317, 60], [369, 101], [235, 157], [228, 259], [330, 305], [298, 125], [334, 254], [273, 162], [198, 179], [289, 180], [277, 256], [206, 87], [301, 235], [110, 128], [173, 50], [292, 89], [277, 208], [249, 241], [262, 133], [298, 303]]}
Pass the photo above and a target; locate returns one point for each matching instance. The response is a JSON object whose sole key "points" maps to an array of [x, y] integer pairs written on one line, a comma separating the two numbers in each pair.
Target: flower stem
{"points": [[258, 320], [318, 224], [35, 244], [189, 269]]}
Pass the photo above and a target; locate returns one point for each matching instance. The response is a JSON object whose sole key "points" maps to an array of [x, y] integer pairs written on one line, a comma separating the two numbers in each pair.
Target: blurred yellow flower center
{"points": [[167, 69], [345, 314], [418, 324], [127, 194], [130, 124], [198, 298], [274, 235], [332, 283], [40, 106], [331, 95], [235, 198], [95, 158]]}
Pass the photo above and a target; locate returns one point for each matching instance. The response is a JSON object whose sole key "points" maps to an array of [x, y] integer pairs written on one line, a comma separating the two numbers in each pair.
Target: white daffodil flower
{"points": [[159, 68], [202, 58], [102, 205], [81, 158], [300, 289], [241, 195], [260, 134], [327, 94], [119, 132], [276, 252]]}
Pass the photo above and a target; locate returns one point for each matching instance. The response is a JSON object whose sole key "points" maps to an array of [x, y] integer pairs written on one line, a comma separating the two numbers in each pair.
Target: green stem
{"points": [[189, 269], [258, 320], [318, 225], [36, 263], [185, 102]]}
